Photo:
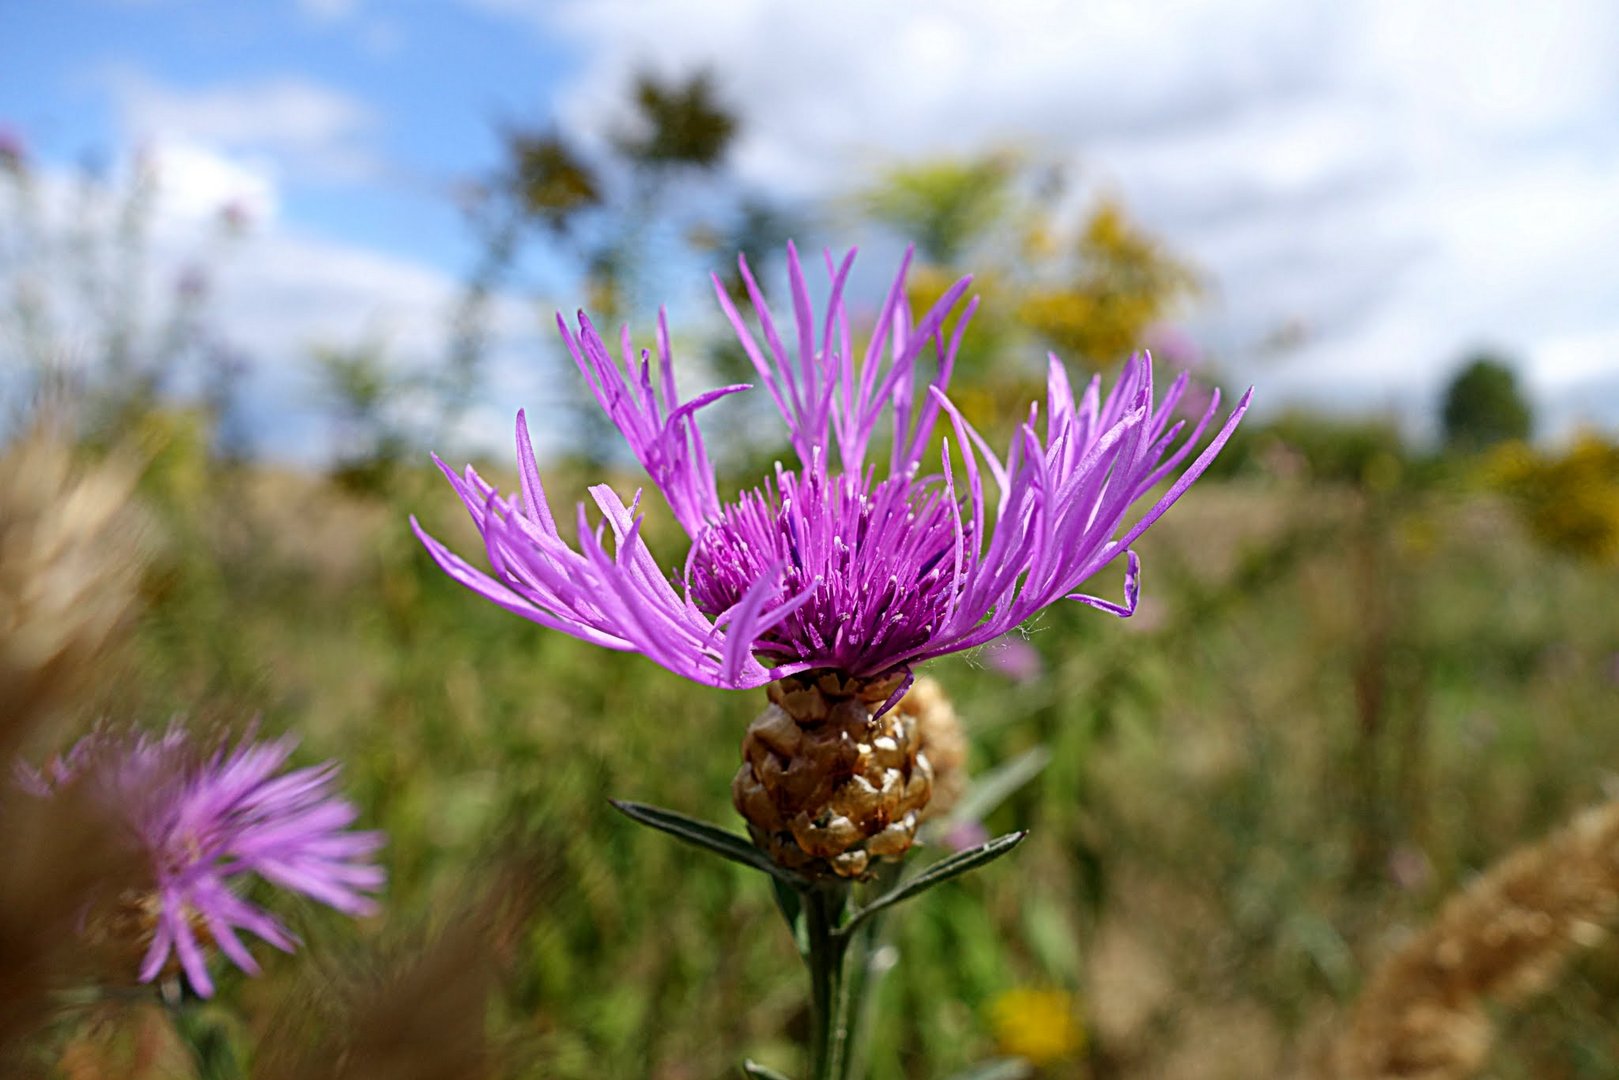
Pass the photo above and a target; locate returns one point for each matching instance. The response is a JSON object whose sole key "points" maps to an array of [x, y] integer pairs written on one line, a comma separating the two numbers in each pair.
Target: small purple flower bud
{"points": [[191, 284], [1409, 868], [235, 217], [966, 835], [13, 151], [1013, 656]]}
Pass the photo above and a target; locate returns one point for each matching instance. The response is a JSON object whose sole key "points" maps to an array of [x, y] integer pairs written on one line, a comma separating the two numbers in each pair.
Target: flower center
{"points": [[879, 564]]}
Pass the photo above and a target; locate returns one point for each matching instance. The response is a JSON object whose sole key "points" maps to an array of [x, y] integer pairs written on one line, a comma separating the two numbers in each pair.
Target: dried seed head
{"points": [[1499, 942], [944, 743], [70, 562], [826, 785]]}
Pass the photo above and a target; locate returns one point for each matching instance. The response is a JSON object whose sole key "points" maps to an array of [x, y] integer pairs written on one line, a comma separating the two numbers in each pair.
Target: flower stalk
{"points": [[830, 997]]}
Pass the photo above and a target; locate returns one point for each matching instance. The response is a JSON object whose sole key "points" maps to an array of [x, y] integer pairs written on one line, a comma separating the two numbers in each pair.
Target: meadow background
{"points": [[1378, 647]]}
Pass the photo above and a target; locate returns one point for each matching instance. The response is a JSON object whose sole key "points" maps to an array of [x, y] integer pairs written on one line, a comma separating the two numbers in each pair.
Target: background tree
{"points": [[655, 192], [1484, 405]]}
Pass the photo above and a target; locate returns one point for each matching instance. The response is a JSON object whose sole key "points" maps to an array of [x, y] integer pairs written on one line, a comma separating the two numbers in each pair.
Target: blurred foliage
{"points": [[551, 181], [760, 233], [364, 391], [1090, 286], [613, 212], [1113, 282], [1569, 500], [945, 206], [682, 122], [1299, 445], [602, 208], [1484, 405]]}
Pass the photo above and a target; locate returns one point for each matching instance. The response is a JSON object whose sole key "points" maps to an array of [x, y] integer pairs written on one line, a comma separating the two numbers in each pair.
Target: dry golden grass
{"points": [[70, 563], [1502, 940], [71, 557]]}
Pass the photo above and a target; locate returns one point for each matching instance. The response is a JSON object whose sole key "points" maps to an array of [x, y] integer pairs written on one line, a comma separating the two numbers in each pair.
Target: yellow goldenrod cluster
{"points": [[1089, 290], [1039, 1026], [1121, 282], [1568, 501]]}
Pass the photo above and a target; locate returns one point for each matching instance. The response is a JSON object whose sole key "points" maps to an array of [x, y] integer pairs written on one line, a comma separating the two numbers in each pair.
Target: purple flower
{"points": [[1173, 344], [966, 835], [1014, 657], [827, 564], [13, 151], [208, 822]]}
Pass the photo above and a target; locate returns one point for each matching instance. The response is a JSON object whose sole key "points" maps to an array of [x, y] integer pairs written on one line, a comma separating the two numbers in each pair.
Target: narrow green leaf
{"points": [[709, 837], [937, 874], [791, 904], [999, 784], [753, 1068], [999, 1069]]}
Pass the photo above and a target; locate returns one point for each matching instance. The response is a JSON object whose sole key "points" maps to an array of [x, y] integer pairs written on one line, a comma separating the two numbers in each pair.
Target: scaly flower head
{"points": [[209, 821], [829, 563]]}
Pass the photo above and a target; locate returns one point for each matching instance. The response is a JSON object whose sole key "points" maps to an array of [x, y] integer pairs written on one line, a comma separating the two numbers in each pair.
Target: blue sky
{"points": [[1371, 189], [427, 82]]}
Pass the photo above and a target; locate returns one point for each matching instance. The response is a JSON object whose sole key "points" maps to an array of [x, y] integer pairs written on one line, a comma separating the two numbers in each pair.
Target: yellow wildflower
{"points": [[1040, 1026]]}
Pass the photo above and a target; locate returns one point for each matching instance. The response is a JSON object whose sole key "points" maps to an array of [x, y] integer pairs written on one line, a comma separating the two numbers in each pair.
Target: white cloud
{"points": [[286, 294], [275, 292], [328, 10], [1404, 182], [292, 124], [193, 183], [378, 36]]}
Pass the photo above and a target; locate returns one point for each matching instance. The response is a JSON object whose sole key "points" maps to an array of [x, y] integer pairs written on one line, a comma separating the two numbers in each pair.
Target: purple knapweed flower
{"points": [[1014, 657], [209, 821], [828, 564]]}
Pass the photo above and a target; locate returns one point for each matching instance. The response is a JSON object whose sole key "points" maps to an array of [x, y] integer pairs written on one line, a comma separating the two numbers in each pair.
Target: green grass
{"points": [[1321, 680]]}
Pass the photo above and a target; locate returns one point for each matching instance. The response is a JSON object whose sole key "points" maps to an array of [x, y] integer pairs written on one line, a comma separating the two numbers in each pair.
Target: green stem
{"points": [[868, 941], [829, 990], [206, 1039]]}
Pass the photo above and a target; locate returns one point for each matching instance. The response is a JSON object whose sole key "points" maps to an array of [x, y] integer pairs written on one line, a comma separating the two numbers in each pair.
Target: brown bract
{"points": [[944, 743], [825, 784]]}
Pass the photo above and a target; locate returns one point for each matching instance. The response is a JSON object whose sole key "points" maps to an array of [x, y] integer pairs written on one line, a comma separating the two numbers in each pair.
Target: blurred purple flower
{"points": [[1176, 349], [1013, 656], [1179, 353], [209, 820], [235, 217], [1409, 868], [13, 151], [191, 284], [826, 565], [965, 835]]}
